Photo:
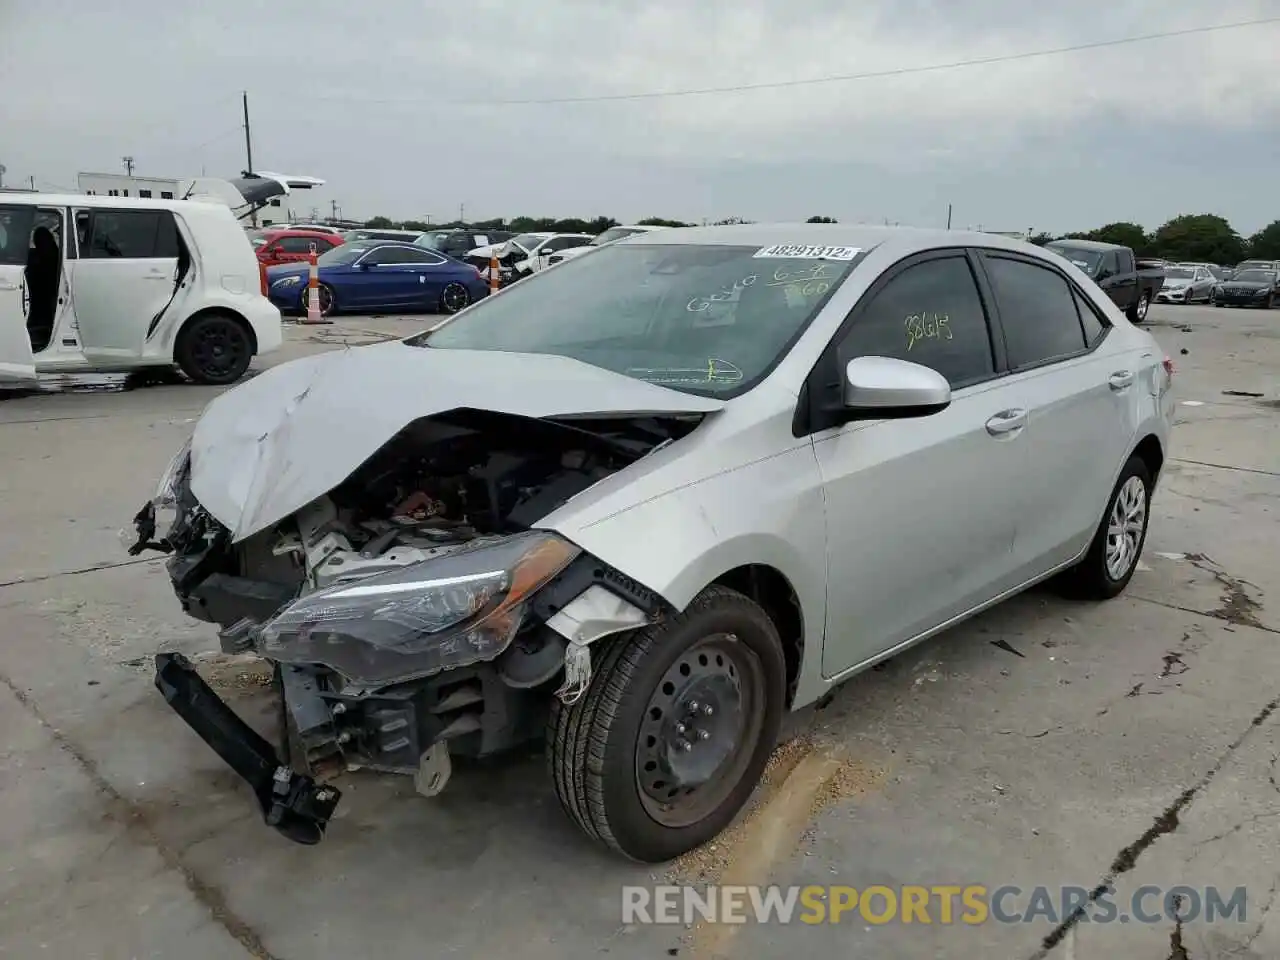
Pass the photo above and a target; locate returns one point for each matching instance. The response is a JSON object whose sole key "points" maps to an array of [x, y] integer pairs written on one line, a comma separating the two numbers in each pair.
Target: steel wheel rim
{"points": [[1125, 527], [699, 731], [455, 297], [1143, 304], [218, 348]]}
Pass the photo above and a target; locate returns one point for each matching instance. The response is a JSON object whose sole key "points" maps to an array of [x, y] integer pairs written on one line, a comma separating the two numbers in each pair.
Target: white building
{"points": [[292, 208], [120, 185]]}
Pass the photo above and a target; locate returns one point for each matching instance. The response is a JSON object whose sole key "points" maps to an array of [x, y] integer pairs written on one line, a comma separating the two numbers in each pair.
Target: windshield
{"points": [[527, 241], [1255, 276], [431, 241], [705, 319], [1179, 273], [347, 253], [614, 233], [1086, 260]]}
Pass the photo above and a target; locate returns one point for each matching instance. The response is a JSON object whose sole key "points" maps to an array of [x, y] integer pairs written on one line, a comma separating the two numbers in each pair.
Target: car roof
{"points": [[1088, 244], [194, 208], [902, 241]]}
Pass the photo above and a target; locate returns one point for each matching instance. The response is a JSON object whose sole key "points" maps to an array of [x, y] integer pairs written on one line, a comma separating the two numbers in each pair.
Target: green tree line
{"points": [[1193, 237], [547, 224]]}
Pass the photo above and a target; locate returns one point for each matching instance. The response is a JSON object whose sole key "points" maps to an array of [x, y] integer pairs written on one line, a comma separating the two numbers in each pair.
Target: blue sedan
{"points": [[367, 276]]}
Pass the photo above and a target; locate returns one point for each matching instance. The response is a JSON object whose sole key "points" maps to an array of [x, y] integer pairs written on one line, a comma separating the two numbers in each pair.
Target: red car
{"points": [[292, 246]]}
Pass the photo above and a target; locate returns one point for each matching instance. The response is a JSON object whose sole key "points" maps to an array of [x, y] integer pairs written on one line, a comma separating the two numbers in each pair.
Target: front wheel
{"points": [[328, 301], [674, 730], [214, 349], [1138, 312]]}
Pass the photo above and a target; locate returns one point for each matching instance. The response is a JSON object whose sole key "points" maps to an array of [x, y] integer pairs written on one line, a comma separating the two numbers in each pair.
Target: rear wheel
{"points": [[1138, 312], [214, 349], [454, 297], [1113, 555], [674, 731]]}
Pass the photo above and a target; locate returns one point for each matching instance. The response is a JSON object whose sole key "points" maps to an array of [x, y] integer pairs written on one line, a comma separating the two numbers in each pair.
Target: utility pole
{"points": [[2, 172], [248, 146], [948, 216], [128, 165], [333, 207], [32, 180], [462, 214]]}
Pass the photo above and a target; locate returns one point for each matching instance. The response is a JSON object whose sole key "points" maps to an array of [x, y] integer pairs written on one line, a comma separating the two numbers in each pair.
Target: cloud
{"points": [[382, 101]]}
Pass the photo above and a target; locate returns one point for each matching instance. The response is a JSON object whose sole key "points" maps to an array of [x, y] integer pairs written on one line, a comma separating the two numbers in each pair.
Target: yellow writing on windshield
{"points": [[926, 326]]}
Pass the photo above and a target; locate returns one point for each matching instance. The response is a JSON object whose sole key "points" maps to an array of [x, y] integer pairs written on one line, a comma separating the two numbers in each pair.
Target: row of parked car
{"points": [[1134, 283], [372, 270]]}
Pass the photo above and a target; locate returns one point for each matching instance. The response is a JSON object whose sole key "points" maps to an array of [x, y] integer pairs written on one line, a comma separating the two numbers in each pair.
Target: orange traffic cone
{"points": [[313, 293], [495, 274]]}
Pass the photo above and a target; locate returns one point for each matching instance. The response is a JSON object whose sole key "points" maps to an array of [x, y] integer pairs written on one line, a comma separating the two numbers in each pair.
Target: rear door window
{"points": [[299, 244], [131, 234], [1037, 310]]}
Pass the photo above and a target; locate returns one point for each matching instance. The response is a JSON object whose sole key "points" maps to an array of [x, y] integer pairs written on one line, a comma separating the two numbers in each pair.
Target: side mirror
{"points": [[885, 387]]}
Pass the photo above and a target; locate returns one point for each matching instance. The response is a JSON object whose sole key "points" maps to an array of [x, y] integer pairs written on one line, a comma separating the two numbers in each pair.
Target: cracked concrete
{"points": [[1045, 743]]}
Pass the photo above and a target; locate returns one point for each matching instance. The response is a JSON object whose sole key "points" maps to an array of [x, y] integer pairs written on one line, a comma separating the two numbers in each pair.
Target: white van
{"points": [[114, 284]]}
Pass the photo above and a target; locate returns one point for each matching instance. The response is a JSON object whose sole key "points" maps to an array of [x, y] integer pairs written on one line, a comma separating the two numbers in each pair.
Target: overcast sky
{"points": [[392, 103]]}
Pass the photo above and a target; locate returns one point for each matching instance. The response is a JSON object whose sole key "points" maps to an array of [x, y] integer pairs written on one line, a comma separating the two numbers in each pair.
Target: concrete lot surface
{"points": [[1045, 743]]}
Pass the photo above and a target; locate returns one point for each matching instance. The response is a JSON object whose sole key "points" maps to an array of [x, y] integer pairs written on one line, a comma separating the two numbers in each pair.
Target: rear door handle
{"points": [[1006, 422], [1120, 380]]}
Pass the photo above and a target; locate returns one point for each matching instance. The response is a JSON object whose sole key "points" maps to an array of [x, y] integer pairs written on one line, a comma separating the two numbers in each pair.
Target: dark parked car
{"points": [[1132, 284], [376, 275], [1249, 288], [459, 243]]}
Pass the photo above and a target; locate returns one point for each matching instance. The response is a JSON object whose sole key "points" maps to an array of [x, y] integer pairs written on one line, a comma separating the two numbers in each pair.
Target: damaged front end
{"points": [[415, 613]]}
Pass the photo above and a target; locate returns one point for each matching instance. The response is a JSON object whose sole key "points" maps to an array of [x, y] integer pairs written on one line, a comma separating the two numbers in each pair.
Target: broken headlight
{"points": [[154, 524], [420, 619]]}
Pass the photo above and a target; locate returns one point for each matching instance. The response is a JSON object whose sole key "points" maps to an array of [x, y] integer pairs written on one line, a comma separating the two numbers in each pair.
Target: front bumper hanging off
{"points": [[292, 803]]}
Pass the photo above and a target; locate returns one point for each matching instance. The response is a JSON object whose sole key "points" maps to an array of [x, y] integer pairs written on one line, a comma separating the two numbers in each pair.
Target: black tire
{"points": [[214, 349], [454, 297], [596, 756], [328, 300], [1091, 578], [1138, 312]]}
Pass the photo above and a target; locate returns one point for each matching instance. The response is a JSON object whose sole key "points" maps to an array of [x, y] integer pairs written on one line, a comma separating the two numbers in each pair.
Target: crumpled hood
{"points": [[271, 445]]}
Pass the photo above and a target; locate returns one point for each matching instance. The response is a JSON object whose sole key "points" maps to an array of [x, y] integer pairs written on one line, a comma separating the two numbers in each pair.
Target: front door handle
{"points": [[1006, 422], [1120, 380]]}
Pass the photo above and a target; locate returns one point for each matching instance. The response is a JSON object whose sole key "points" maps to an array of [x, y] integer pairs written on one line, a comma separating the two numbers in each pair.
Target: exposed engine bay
{"points": [[415, 611]]}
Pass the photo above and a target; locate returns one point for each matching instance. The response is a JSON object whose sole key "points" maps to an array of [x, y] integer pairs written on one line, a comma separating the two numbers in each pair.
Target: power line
{"points": [[814, 81]]}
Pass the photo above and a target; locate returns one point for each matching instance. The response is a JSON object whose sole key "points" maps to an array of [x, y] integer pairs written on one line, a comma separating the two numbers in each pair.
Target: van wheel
{"points": [[1138, 312], [214, 349], [1113, 555], [454, 297], [674, 730]]}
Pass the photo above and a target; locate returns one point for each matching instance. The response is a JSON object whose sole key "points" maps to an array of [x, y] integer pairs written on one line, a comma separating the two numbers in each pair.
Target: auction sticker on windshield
{"points": [[802, 251]]}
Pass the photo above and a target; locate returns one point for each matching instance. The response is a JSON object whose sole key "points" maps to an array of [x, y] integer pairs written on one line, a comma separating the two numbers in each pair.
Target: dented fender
{"points": [[678, 543]]}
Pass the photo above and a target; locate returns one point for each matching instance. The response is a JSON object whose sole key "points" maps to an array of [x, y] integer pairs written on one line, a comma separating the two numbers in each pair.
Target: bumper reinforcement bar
{"points": [[292, 803]]}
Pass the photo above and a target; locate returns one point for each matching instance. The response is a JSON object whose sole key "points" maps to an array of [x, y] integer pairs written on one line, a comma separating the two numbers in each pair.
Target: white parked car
{"points": [[110, 285], [527, 253], [609, 236]]}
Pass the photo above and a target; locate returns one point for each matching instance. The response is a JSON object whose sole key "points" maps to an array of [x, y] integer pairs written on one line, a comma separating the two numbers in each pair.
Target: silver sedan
{"points": [[646, 503]]}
